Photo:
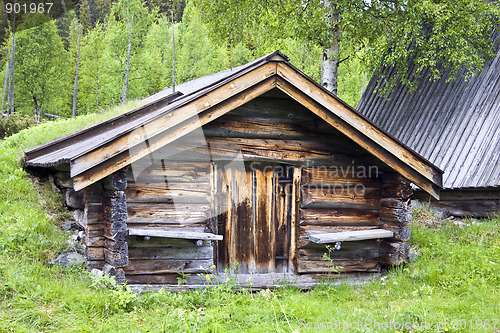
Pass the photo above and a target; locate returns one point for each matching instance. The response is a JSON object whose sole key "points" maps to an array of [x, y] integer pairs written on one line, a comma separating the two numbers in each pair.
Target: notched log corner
{"points": [[394, 253]]}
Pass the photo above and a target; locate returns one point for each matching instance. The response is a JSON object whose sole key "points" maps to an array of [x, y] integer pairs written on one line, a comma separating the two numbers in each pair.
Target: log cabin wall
{"points": [[169, 192], [339, 185], [87, 207], [339, 200], [337, 188], [94, 231], [395, 215]]}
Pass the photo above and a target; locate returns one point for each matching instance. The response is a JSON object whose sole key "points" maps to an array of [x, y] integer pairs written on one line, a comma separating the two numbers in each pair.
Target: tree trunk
{"points": [[37, 109], [5, 81], [331, 65], [331, 54], [97, 93], [173, 53], [10, 96], [125, 86], [75, 88]]}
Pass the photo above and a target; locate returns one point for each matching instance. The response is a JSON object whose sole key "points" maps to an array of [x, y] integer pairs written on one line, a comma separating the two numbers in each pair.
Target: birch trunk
{"points": [[331, 54], [173, 53], [5, 81], [125, 86], [75, 88], [10, 96], [330, 68]]}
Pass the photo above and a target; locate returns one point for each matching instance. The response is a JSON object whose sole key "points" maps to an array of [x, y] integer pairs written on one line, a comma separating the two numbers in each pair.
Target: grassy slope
{"points": [[457, 276]]}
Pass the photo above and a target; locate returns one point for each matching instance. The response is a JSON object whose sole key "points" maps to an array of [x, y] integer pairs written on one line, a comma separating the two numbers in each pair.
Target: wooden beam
{"points": [[154, 232], [360, 123], [349, 236], [95, 171], [169, 281], [294, 217], [360, 137], [97, 129], [394, 253], [236, 88]]}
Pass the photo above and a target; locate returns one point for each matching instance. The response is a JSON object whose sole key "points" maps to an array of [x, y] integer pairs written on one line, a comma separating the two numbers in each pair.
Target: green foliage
{"points": [[94, 90], [352, 77], [208, 57], [84, 15], [121, 295], [41, 70], [441, 36], [13, 124]]}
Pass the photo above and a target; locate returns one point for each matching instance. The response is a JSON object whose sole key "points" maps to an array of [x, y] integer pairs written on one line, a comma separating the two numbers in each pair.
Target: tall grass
{"points": [[456, 276]]}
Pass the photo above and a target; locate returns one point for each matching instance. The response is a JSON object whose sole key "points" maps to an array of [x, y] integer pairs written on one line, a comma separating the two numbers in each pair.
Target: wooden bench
{"points": [[349, 236], [153, 232]]}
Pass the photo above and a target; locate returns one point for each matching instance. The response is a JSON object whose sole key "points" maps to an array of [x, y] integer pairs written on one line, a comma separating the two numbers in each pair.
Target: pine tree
{"points": [[85, 16]]}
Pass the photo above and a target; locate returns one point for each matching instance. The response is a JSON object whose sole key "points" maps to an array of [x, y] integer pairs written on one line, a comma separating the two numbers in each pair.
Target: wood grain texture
{"points": [[349, 236], [157, 232], [168, 192], [254, 282], [358, 123], [339, 216], [154, 266], [341, 197], [170, 170], [432, 186], [331, 177], [323, 266], [178, 253], [172, 214], [88, 169], [157, 242], [394, 253]]}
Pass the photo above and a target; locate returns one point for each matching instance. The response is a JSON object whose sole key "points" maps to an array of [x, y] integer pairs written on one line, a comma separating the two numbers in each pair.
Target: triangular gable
{"points": [[213, 101]]}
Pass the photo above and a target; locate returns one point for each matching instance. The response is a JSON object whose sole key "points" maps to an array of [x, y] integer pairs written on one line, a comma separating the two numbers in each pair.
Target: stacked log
{"points": [[94, 230], [395, 215], [115, 225], [334, 201], [168, 196]]}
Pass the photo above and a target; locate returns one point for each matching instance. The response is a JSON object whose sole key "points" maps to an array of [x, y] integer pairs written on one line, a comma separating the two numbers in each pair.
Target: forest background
{"points": [[46, 55]]}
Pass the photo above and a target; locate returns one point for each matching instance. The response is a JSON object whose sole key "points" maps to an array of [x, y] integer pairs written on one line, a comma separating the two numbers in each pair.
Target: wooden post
{"points": [[75, 89], [115, 225]]}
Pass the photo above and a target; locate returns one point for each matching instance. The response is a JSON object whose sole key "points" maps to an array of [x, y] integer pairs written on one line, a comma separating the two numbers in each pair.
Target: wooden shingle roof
{"points": [[455, 125], [104, 148]]}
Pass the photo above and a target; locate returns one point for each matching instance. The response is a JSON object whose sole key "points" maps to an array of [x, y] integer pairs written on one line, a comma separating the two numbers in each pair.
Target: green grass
{"points": [[456, 277]]}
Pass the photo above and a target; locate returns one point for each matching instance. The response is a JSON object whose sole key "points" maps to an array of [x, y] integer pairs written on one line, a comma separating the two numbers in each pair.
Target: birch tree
{"points": [[42, 72], [440, 35]]}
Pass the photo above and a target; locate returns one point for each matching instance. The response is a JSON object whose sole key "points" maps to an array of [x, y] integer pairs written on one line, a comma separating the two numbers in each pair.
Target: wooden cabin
{"points": [[258, 173], [456, 126]]}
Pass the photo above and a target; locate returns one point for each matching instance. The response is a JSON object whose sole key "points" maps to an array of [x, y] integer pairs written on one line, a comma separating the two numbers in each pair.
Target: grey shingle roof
{"points": [[455, 125]]}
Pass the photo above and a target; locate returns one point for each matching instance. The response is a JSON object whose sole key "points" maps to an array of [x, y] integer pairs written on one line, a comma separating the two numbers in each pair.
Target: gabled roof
{"points": [[106, 147], [455, 125]]}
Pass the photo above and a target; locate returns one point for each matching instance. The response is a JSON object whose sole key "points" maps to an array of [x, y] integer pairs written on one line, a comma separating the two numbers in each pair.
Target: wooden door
{"points": [[253, 207]]}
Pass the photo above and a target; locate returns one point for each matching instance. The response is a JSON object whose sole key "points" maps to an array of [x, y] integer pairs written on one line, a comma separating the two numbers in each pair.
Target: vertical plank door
{"points": [[253, 212]]}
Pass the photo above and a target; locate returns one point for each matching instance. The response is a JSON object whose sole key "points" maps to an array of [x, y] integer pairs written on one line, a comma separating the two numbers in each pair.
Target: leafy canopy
{"points": [[442, 35]]}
